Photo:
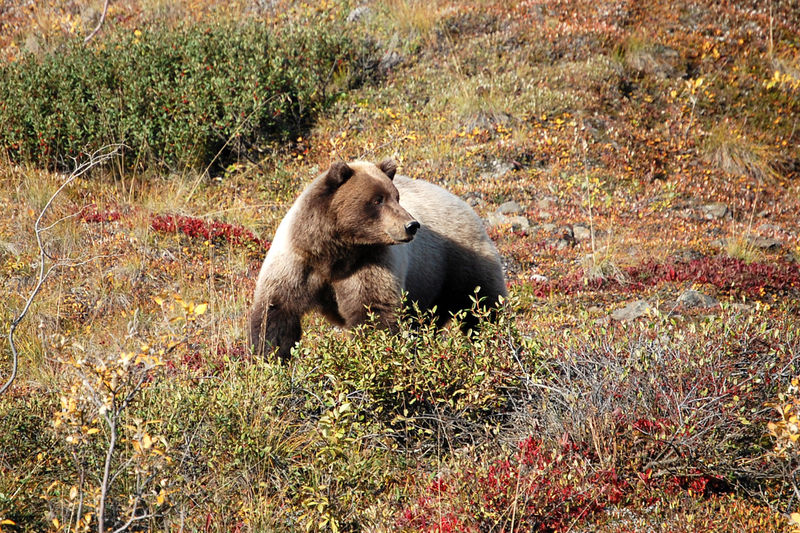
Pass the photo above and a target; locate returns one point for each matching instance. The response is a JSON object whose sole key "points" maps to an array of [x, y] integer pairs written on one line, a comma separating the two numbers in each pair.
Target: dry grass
{"points": [[741, 248], [731, 151], [415, 18]]}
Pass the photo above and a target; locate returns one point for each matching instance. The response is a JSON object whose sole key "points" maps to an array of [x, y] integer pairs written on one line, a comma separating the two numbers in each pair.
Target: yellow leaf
{"points": [[158, 300], [200, 309], [7, 522], [794, 518], [147, 442], [73, 493], [161, 498], [93, 431]]}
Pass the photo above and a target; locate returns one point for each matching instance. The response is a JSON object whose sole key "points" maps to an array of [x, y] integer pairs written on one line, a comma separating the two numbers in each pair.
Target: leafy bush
{"points": [[421, 378], [183, 97]]}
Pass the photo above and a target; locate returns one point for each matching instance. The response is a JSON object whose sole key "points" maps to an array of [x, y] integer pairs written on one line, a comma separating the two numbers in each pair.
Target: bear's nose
{"points": [[412, 227]]}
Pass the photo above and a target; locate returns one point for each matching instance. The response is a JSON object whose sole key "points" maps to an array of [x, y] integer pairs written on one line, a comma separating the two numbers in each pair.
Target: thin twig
{"points": [[100, 156], [99, 23]]}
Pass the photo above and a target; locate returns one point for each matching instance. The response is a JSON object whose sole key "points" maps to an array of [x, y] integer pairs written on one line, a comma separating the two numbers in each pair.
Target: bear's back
{"points": [[451, 253]]}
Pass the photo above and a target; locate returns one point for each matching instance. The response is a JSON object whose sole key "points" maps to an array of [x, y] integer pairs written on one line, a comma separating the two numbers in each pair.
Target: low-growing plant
{"points": [[686, 406], [420, 379], [119, 457], [183, 97], [535, 488]]}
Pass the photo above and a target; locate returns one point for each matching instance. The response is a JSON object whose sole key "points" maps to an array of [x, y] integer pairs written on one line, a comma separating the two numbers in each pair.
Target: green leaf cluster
{"points": [[180, 98]]}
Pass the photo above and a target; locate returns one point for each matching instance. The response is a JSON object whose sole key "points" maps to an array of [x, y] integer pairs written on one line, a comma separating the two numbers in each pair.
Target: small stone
{"points": [[765, 243], [475, 201], [691, 298], [497, 169], [509, 208], [539, 278], [581, 232], [768, 228], [389, 60], [357, 13], [713, 211], [549, 227], [544, 204], [632, 311], [563, 243], [519, 223], [32, 45]]}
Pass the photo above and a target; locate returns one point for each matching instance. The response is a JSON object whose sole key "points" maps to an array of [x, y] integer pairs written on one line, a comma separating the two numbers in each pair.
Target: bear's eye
{"points": [[378, 200]]}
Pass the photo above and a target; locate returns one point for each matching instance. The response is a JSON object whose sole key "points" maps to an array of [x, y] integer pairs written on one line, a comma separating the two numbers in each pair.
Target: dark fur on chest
{"points": [[329, 279]]}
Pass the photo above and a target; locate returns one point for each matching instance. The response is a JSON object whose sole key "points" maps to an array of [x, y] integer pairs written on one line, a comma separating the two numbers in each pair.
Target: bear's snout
{"points": [[412, 227]]}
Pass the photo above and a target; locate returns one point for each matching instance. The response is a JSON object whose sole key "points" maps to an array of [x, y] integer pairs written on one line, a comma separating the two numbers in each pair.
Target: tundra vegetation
{"points": [[638, 167]]}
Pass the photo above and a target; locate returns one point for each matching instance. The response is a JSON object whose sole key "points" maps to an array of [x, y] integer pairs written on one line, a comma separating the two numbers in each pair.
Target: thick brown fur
{"points": [[349, 245]]}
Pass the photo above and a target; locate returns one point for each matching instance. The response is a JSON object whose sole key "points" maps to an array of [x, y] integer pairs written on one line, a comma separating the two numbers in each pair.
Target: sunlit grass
{"points": [[730, 150]]}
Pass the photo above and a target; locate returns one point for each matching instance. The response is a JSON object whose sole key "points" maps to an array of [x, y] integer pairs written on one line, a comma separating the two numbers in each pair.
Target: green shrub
{"points": [[180, 97], [420, 378]]}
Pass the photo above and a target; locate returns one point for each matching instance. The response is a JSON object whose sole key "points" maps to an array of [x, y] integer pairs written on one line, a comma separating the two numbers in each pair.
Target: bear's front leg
{"points": [[371, 289], [273, 326]]}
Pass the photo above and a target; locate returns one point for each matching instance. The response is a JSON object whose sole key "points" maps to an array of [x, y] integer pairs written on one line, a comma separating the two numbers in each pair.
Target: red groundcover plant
{"points": [[213, 231], [534, 489], [727, 274]]}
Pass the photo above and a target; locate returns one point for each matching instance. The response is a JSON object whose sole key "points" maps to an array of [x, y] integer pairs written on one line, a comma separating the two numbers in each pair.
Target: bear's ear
{"points": [[388, 167], [338, 174]]}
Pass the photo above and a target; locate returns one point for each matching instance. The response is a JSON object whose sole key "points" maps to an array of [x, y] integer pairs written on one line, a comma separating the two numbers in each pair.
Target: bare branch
{"points": [[99, 23], [97, 158]]}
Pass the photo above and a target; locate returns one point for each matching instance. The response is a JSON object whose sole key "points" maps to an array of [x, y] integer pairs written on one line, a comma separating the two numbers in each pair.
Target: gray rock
{"points": [[498, 169], [519, 223], [32, 45], [691, 298], [766, 243], [357, 13], [549, 227], [544, 203], [475, 201], [582, 233], [389, 60], [768, 228], [516, 222], [632, 311], [560, 244], [509, 208], [713, 211]]}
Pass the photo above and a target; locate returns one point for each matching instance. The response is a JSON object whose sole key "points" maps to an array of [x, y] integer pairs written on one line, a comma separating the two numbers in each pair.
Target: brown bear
{"points": [[355, 239]]}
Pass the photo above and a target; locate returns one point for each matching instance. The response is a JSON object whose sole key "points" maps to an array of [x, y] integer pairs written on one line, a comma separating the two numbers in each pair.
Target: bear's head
{"points": [[363, 205]]}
